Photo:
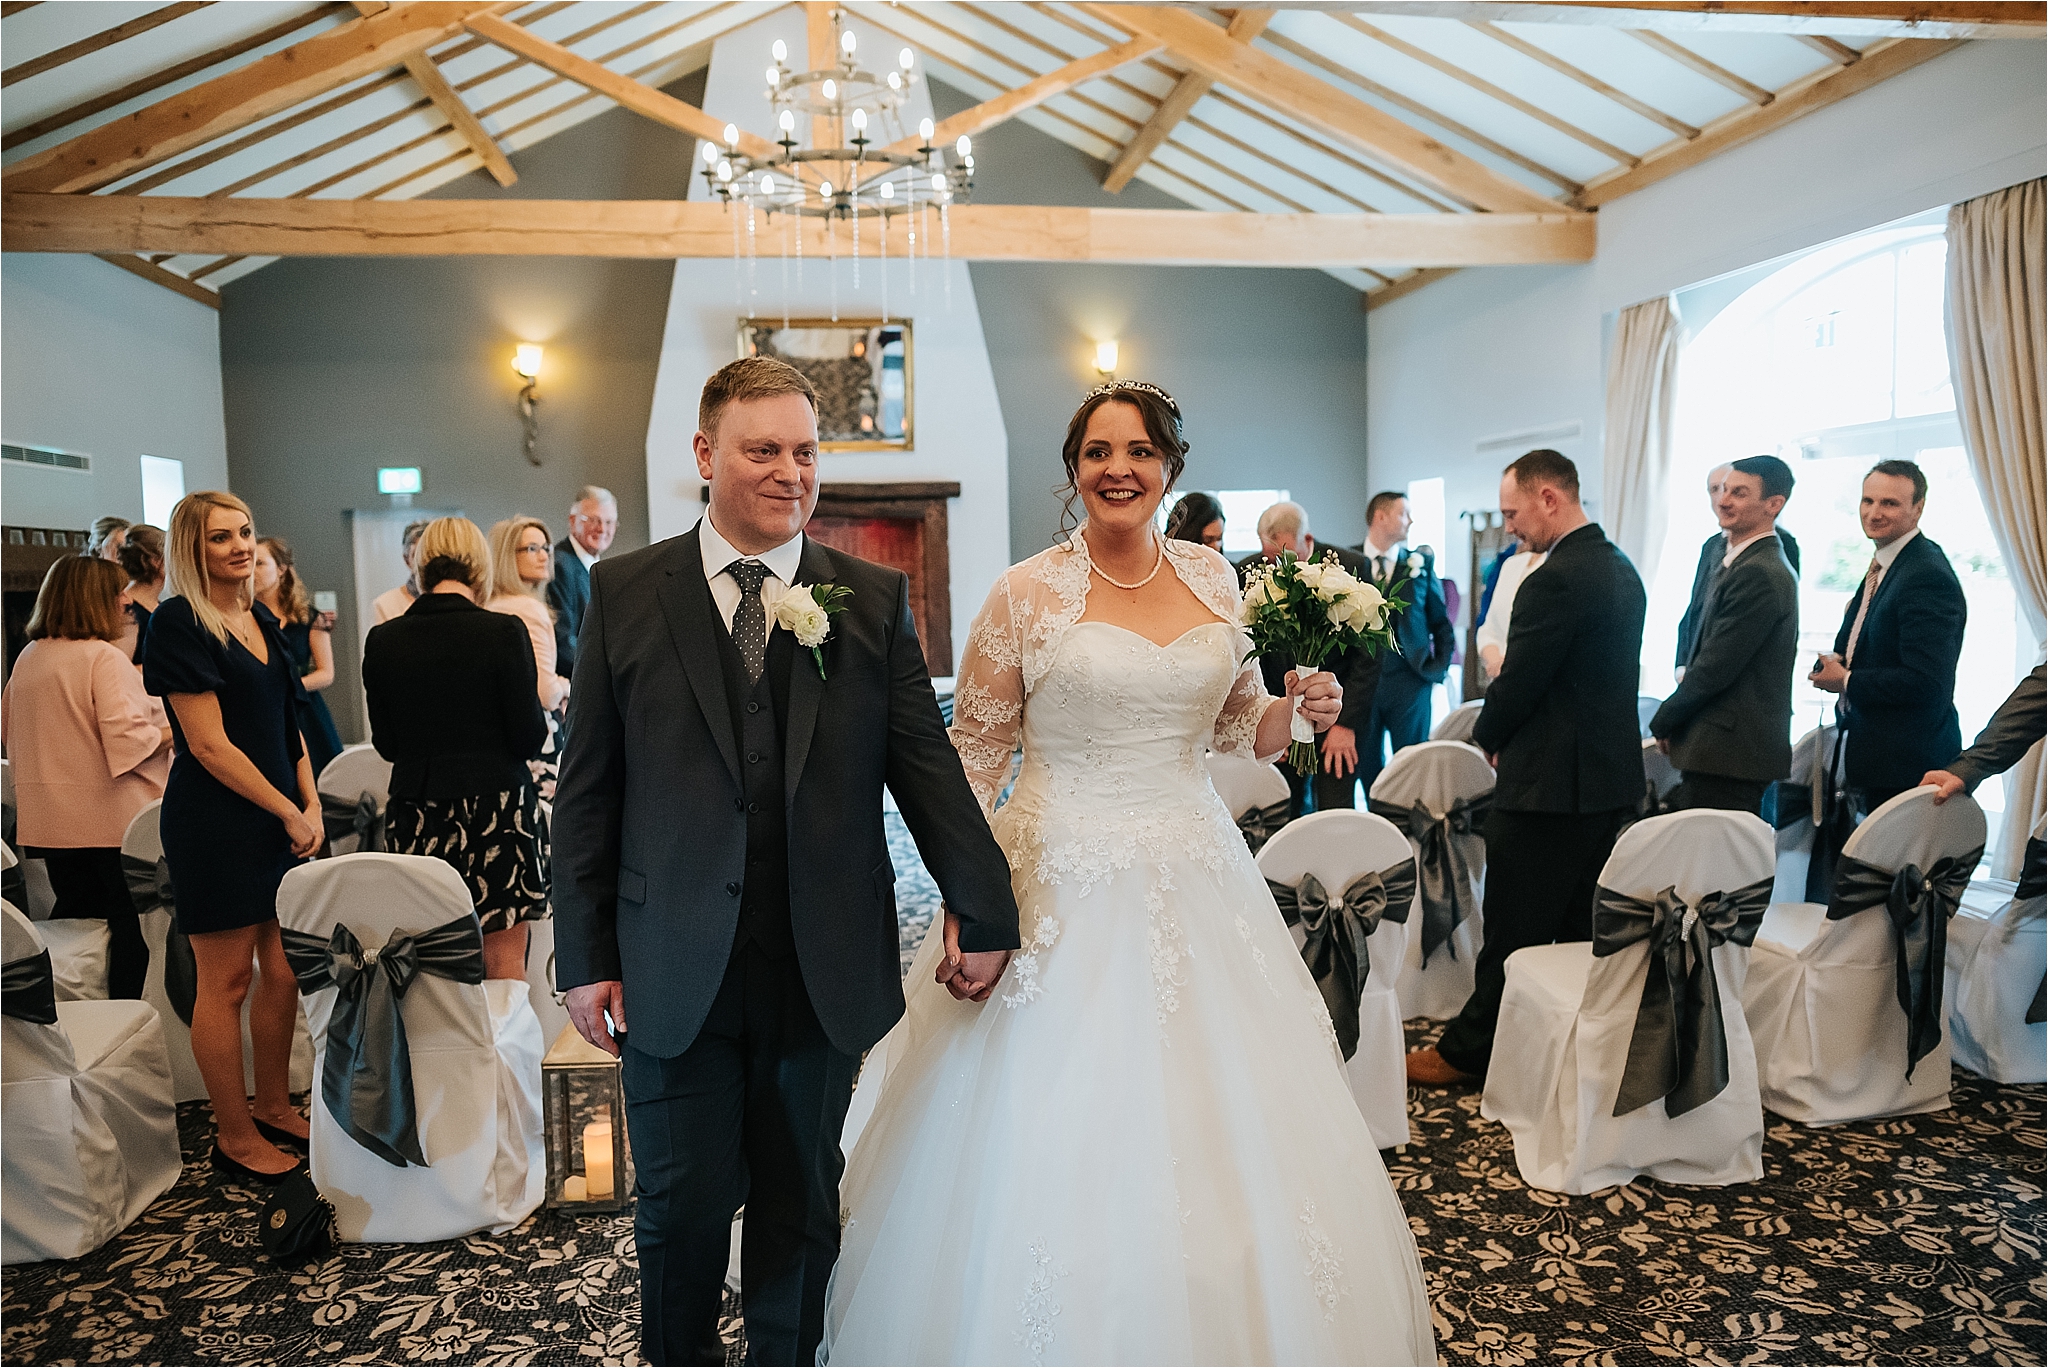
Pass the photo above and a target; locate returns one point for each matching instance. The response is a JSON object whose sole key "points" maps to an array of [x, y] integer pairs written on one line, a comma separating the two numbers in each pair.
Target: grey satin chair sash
{"points": [[361, 817], [1259, 823], [1918, 905], [1679, 1050], [366, 1079], [1442, 863], [28, 990], [1336, 933], [150, 889]]}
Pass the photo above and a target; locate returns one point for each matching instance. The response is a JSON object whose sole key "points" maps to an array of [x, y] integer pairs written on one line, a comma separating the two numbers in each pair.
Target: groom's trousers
{"points": [[750, 1114]]}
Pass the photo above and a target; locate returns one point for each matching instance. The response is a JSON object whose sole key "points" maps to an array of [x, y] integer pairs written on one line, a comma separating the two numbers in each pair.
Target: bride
{"points": [[1141, 1148]]}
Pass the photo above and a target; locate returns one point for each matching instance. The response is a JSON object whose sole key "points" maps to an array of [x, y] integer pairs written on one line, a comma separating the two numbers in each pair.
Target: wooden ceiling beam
{"points": [[1405, 286], [105, 38], [1880, 61], [666, 228], [285, 78], [1841, 54], [1011, 103], [1588, 79], [1890, 19], [157, 275], [1720, 75], [426, 74], [14, 7], [1294, 92], [1245, 25]]}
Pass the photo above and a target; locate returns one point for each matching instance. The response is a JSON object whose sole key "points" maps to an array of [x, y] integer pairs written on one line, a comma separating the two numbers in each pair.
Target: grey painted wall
{"points": [[332, 367], [1268, 365]]}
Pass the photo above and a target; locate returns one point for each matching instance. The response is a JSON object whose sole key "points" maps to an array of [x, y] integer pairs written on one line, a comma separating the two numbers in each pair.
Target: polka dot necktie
{"points": [[750, 618]]}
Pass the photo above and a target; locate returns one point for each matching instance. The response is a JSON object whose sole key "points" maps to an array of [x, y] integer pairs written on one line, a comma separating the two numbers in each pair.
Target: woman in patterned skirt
{"points": [[454, 707]]}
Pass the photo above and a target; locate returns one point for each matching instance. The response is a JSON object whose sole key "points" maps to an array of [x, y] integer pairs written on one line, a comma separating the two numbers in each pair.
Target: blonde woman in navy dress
{"points": [[239, 811]]}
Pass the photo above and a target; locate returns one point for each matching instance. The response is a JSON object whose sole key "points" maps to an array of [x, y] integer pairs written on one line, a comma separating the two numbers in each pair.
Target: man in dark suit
{"points": [[1894, 662], [1560, 726], [723, 880], [1712, 550], [1423, 635], [2012, 731], [593, 522], [1283, 528], [1727, 727]]}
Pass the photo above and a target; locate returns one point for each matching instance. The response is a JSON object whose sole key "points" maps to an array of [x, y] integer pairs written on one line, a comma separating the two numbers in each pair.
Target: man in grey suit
{"points": [[1727, 727], [722, 876], [1704, 573]]}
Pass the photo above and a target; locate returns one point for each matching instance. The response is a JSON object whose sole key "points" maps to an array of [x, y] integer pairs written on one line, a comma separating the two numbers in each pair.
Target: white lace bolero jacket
{"points": [[1016, 637]]}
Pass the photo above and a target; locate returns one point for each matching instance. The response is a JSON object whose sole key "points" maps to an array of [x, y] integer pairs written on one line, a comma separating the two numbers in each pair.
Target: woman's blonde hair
{"points": [[80, 601], [185, 573], [291, 591], [454, 549], [505, 539]]}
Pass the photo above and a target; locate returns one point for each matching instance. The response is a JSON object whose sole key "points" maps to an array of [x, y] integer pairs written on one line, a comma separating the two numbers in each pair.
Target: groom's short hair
{"points": [[750, 377]]}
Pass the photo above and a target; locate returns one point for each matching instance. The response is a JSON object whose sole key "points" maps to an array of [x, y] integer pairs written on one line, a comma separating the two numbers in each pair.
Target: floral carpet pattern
{"points": [[1917, 1240]]}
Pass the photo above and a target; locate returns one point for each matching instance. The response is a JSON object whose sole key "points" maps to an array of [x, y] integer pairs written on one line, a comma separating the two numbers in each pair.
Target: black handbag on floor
{"points": [[297, 1222]]}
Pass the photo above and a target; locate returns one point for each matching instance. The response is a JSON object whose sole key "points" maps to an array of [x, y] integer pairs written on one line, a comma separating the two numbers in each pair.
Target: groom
{"points": [[721, 875]]}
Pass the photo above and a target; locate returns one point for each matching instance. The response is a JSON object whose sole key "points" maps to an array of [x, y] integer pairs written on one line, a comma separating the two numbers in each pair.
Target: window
{"points": [[1241, 509], [1426, 515], [163, 484]]}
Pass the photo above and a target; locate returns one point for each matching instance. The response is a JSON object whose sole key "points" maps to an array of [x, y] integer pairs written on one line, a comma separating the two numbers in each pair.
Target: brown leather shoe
{"points": [[1433, 1070]]}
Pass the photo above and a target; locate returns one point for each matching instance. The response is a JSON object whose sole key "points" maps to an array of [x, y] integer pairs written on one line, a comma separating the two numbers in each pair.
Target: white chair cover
{"points": [[1822, 997], [88, 1130], [1567, 1018], [1438, 774], [475, 1049], [1337, 847], [1997, 955], [1459, 722], [79, 947], [1245, 784], [355, 771], [1660, 776]]}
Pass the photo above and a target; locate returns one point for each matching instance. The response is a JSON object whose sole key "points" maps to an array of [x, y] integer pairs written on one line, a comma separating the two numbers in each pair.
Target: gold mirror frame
{"points": [[752, 331]]}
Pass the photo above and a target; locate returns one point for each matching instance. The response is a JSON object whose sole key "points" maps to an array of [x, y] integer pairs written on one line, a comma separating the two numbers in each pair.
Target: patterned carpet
{"points": [[1909, 1241]]}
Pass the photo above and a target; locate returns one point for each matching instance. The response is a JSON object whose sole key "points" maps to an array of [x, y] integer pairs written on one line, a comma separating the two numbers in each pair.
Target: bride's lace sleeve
{"points": [[1214, 582], [988, 696]]}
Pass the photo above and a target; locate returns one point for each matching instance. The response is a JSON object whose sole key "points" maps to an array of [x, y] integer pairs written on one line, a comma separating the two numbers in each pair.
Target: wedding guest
{"points": [[1492, 636], [1560, 726], [1423, 635], [1712, 551], [521, 570], [239, 811], [88, 751], [1284, 528], [1894, 662], [142, 558], [593, 522], [107, 536], [2012, 731], [308, 638], [394, 601], [1197, 518], [1727, 727], [454, 704]]}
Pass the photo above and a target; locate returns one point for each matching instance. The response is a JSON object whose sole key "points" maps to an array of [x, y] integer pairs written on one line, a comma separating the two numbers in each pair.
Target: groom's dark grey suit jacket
{"points": [[650, 826]]}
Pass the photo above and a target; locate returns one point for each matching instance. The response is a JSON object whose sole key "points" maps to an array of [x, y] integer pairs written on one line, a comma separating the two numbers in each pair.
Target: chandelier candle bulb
{"points": [[786, 121], [846, 43], [895, 81], [860, 121], [906, 58], [774, 77], [924, 130], [830, 90], [780, 52], [710, 154], [964, 146], [732, 135]]}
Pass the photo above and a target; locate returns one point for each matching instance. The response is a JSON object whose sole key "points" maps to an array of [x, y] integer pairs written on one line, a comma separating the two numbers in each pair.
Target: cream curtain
{"points": [[1642, 373], [1996, 317]]}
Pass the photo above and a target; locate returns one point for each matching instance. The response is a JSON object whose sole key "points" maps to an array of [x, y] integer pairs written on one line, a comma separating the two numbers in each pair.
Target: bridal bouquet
{"points": [[1310, 611]]}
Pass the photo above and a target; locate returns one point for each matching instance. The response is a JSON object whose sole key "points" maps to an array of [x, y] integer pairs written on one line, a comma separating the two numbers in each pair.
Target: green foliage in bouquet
{"points": [[1310, 611]]}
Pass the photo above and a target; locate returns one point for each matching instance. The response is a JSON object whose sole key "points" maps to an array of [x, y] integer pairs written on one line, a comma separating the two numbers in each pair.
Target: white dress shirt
{"points": [[589, 558], [782, 564], [1737, 548], [1887, 554], [1392, 556]]}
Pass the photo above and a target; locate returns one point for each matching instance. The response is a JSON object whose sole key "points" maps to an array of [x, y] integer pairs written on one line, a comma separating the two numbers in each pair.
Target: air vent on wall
{"points": [[1552, 435], [45, 456]]}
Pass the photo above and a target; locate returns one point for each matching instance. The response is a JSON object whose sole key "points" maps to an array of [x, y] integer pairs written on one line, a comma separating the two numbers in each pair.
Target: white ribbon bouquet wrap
{"points": [[1310, 611]]}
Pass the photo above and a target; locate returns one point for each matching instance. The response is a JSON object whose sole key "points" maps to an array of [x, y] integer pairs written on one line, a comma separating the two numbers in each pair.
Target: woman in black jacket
{"points": [[453, 707]]}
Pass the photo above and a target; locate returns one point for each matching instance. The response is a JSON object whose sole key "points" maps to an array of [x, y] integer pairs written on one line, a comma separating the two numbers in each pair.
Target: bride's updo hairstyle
{"points": [[1161, 417]]}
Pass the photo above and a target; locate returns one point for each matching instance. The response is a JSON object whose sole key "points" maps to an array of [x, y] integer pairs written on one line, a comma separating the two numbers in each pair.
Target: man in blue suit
{"points": [[593, 522], [1422, 631]]}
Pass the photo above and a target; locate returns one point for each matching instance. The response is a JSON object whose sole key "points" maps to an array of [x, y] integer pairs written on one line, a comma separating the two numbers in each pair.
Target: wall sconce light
{"points": [[526, 363], [1105, 359]]}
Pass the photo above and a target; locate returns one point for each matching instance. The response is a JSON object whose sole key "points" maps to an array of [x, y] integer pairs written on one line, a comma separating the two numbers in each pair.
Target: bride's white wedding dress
{"points": [[1142, 1148]]}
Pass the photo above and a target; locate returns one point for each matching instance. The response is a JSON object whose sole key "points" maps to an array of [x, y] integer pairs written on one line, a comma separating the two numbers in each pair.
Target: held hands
{"points": [[1946, 785], [1322, 700], [587, 1008], [969, 975], [302, 829], [1829, 674]]}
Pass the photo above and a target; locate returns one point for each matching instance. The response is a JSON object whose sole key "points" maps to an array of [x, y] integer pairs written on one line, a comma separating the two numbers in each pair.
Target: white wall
{"points": [[958, 428], [100, 362], [1493, 351]]}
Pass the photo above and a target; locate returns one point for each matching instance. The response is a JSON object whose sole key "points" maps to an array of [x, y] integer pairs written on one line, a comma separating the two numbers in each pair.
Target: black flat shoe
{"points": [[278, 1135], [229, 1167]]}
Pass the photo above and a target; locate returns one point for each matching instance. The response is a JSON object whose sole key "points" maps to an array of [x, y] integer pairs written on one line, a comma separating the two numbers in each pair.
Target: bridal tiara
{"points": [[1113, 386]]}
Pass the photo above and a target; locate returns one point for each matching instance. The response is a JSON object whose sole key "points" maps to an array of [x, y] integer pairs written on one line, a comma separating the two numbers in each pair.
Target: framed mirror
{"points": [[861, 369]]}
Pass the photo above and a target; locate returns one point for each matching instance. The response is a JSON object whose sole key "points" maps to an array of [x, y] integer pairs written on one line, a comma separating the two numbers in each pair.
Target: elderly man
{"points": [[1284, 528], [593, 522]]}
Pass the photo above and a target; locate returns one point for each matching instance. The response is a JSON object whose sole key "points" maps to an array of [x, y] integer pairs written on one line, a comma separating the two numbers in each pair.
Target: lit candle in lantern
{"points": [[597, 1159], [574, 1190]]}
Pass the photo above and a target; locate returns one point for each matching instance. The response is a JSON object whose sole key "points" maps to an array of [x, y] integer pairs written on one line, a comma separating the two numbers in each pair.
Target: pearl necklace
{"points": [[1157, 562]]}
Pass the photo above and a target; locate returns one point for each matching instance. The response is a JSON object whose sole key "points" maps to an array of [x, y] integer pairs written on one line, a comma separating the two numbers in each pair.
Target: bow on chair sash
{"points": [[366, 1079], [1918, 904], [28, 990], [1679, 1050], [149, 888], [1259, 823], [361, 817], [1336, 932], [1440, 858]]}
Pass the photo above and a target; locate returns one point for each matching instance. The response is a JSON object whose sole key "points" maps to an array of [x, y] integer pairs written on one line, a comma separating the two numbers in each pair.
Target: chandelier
{"points": [[840, 179]]}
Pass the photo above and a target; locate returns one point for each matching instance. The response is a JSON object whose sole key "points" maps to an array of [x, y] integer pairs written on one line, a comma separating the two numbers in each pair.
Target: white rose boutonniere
{"points": [[1415, 562], [805, 611]]}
